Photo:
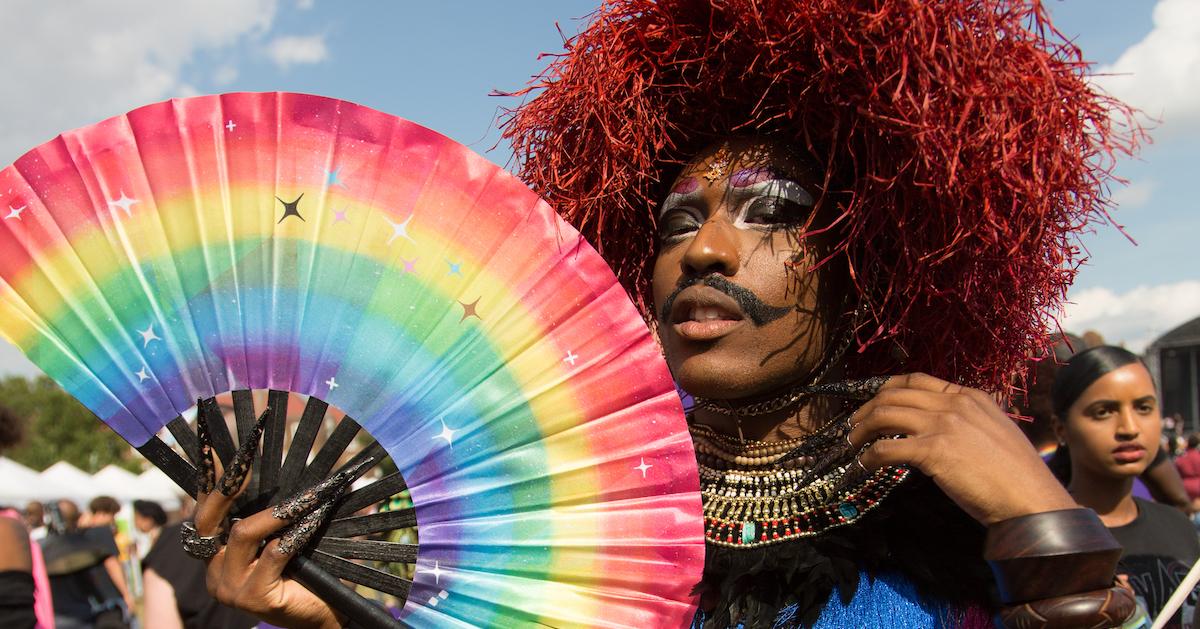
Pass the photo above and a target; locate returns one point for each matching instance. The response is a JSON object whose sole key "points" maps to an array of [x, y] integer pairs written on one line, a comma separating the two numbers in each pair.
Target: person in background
{"points": [[1106, 410], [1188, 465], [72, 562], [1160, 481], [148, 518], [24, 588], [176, 596], [1035, 402], [116, 599], [35, 519]]}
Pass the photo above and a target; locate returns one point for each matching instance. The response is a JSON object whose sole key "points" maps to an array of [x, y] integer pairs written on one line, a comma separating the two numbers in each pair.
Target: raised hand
{"points": [[246, 558], [960, 438]]}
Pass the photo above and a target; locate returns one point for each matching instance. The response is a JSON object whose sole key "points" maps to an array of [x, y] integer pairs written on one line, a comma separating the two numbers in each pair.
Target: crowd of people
{"points": [[1092, 412], [78, 568]]}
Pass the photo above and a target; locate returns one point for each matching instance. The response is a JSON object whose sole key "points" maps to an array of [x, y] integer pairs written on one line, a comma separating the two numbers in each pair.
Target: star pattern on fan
{"points": [[470, 310], [447, 434], [291, 208], [437, 571], [124, 203], [149, 335], [331, 187], [333, 177], [642, 466], [400, 230]]}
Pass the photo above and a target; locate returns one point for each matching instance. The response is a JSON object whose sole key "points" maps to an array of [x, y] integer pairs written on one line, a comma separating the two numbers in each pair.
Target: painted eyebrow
{"points": [[759, 186], [748, 189], [679, 198], [750, 176]]}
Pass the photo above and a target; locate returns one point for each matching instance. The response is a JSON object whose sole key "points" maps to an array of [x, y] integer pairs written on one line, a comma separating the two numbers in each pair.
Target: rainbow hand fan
{"points": [[297, 243]]}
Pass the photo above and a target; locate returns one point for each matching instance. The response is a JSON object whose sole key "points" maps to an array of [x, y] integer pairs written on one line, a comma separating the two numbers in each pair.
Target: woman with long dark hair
{"points": [[1107, 412]]}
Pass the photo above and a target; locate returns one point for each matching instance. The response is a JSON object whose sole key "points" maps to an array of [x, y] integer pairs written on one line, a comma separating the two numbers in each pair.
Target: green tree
{"points": [[59, 428]]}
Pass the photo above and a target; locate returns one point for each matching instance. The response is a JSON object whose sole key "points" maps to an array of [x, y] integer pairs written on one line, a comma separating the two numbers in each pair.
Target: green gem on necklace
{"points": [[749, 532], [848, 510]]}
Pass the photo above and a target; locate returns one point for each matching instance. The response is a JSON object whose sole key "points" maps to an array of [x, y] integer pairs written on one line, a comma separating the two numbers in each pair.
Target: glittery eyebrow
{"points": [[778, 186], [677, 198], [750, 176]]}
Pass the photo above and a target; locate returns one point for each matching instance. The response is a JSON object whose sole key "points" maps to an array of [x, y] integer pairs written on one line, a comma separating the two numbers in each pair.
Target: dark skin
{"points": [[248, 575], [956, 435], [743, 224]]}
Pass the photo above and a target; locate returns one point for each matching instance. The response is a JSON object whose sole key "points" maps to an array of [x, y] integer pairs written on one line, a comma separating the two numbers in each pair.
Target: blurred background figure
{"points": [[1188, 465], [148, 518], [117, 604], [1106, 411], [35, 519], [118, 601], [175, 595], [76, 560], [1159, 481], [24, 589], [1036, 403], [71, 559]]}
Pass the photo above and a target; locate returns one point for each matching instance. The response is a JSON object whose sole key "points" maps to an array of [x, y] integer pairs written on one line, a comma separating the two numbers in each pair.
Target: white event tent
{"points": [[154, 485], [78, 483], [20, 485]]}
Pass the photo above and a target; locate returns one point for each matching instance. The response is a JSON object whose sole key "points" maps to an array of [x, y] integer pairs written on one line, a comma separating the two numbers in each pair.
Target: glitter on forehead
{"points": [[718, 165]]}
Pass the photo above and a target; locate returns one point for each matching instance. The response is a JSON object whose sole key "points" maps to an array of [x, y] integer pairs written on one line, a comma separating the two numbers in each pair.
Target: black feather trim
{"points": [[917, 532]]}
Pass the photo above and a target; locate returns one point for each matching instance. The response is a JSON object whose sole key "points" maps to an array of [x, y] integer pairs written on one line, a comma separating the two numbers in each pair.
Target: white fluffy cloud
{"points": [[293, 50], [1135, 195], [1136, 317], [67, 64], [1161, 74]]}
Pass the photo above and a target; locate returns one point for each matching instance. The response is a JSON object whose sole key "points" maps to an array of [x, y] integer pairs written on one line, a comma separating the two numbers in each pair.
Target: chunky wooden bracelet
{"points": [[1051, 554], [1111, 607]]}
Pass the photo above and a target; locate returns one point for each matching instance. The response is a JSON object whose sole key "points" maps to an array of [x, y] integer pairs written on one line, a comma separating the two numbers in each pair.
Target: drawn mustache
{"points": [[753, 307]]}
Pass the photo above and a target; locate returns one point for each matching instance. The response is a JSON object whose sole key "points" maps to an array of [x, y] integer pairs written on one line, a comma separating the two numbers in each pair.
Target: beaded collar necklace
{"points": [[758, 493]]}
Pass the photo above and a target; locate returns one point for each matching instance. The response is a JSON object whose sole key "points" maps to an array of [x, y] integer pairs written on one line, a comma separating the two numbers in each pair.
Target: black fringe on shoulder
{"points": [[917, 532]]}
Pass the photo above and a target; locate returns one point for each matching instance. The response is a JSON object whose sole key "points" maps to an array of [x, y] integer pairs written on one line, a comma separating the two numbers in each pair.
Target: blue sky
{"points": [[435, 63]]}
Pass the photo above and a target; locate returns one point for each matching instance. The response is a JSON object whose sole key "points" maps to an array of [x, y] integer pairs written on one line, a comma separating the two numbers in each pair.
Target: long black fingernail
{"points": [[308, 499], [232, 479], [206, 474], [297, 535]]}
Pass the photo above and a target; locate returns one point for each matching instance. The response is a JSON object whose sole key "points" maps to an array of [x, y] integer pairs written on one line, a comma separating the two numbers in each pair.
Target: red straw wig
{"points": [[962, 143]]}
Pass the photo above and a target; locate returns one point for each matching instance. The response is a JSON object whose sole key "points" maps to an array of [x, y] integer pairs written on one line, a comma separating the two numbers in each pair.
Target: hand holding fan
{"points": [[303, 244]]}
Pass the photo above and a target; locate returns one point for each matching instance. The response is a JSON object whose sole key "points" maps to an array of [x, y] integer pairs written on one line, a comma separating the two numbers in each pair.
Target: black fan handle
{"points": [[361, 612]]}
